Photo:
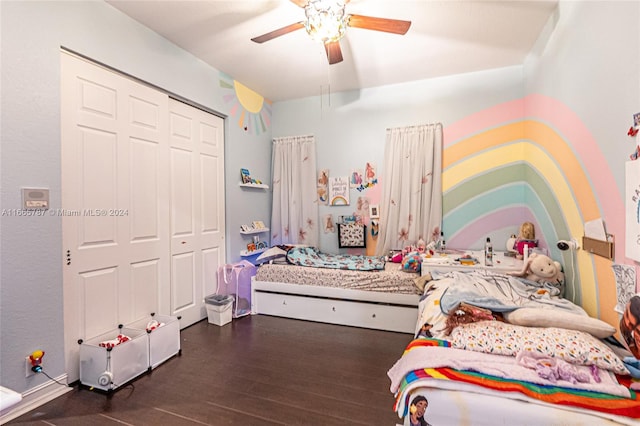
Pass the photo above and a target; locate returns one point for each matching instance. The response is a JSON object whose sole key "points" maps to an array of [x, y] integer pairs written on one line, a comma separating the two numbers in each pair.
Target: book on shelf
{"points": [[245, 176]]}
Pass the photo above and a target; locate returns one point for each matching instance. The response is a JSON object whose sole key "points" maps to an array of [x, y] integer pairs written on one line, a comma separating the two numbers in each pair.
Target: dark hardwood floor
{"points": [[258, 370]]}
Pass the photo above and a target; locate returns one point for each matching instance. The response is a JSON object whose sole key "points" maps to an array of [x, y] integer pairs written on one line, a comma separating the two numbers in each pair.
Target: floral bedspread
{"points": [[311, 256], [392, 279]]}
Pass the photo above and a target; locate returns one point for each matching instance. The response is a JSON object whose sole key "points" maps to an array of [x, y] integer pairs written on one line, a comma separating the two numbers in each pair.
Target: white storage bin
{"points": [[164, 341], [107, 369], [219, 309]]}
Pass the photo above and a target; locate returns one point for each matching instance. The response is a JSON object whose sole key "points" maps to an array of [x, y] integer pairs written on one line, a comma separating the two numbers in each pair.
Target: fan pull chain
{"points": [[322, 98]]}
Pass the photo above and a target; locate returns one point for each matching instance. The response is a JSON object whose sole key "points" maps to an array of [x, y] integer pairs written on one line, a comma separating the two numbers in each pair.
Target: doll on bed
{"points": [[465, 313], [526, 237]]}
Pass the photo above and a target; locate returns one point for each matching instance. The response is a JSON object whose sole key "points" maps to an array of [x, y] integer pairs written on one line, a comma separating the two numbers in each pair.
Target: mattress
{"points": [[391, 280], [480, 371], [465, 404]]}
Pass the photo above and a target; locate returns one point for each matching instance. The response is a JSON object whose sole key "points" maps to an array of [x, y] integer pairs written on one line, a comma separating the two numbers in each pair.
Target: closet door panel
{"points": [[114, 195], [197, 207], [142, 204]]}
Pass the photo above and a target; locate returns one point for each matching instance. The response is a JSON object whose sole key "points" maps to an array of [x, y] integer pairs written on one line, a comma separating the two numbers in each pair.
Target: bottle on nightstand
{"points": [[488, 253]]}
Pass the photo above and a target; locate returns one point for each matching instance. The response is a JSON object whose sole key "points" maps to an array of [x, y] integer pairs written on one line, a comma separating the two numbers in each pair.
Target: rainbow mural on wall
{"points": [[533, 159], [252, 110]]}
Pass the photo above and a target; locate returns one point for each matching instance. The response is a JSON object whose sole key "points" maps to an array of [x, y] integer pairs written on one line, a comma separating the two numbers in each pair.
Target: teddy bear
{"points": [[541, 268]]}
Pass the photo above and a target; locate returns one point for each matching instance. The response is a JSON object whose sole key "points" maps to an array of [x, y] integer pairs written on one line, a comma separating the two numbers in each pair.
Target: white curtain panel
{"points": [[411, 204], [294, 214]]}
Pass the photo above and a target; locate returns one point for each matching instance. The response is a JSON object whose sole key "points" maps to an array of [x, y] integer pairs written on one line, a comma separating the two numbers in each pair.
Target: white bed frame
{"points": [[358, 308]]}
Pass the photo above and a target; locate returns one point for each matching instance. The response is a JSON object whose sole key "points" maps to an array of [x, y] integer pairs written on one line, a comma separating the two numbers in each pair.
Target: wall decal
{"points": [[356, 178], [323, 181], [252, 111], [362, 206], [370, 173], [328, 224]]}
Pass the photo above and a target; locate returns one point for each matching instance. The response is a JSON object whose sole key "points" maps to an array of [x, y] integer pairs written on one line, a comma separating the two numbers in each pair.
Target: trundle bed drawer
{"points": [[335, 311]]}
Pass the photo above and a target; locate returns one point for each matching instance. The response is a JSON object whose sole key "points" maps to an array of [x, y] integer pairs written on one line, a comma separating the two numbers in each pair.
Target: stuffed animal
{"points": [[541, 269], [412, 262]]}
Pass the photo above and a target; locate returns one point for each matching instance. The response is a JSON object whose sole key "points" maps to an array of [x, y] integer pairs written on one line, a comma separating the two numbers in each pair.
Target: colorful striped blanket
{"points": [[437, 374]]}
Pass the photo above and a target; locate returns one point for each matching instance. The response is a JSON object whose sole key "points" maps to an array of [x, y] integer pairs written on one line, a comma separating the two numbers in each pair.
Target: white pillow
{"points": [[271, 254], [429, 311], [573, 346], [535, 317]]}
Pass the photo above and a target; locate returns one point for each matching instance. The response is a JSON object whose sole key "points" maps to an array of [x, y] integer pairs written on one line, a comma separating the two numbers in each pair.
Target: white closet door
{"points": [[142, 204], [114, 202], [197, 208]]}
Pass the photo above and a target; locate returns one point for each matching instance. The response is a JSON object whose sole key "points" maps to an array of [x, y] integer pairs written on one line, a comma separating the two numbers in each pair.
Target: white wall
{"points": [[589, 59], [351, 131]]}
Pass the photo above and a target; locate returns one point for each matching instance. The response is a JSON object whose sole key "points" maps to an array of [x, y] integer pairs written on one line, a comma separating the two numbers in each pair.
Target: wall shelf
{"points": [[255, 231], [254, 185], [245, 253], [601, 248]]}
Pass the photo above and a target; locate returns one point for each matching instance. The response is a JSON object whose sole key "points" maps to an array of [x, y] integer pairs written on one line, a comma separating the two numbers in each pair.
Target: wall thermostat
{"points": [[35, 198]]}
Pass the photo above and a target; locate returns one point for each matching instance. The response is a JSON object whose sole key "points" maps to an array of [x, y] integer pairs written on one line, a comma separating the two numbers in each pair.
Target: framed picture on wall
{"points": [[339, 191], [374, 212]]}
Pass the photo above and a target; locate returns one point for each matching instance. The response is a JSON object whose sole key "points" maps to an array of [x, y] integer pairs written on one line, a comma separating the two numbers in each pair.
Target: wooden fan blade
{"points": [[334, 53], [395, 26], [277, 33]]}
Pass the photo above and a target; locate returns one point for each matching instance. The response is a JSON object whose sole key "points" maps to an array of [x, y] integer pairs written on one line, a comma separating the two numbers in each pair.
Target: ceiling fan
{"points": [[327, 22]]}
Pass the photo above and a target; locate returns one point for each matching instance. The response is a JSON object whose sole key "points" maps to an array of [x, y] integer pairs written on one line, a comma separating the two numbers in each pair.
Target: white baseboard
{"points": [[37, 396]]}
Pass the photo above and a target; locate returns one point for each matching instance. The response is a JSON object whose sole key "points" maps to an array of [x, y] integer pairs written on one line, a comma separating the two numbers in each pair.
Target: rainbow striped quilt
{"points": [[577, 398], [606, 403]]}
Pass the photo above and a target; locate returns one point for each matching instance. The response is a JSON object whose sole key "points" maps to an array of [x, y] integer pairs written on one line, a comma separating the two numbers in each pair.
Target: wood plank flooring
{"points": [[258, 370]]}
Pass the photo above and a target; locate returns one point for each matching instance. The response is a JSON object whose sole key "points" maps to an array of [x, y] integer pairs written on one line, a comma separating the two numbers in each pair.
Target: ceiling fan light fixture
{"points": [[326, 20]]}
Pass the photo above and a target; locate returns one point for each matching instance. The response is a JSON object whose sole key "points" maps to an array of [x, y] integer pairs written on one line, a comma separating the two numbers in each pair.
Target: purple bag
{"points": [[235, 279]]}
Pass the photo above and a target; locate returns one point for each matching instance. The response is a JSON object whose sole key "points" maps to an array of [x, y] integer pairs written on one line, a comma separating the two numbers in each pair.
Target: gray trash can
{"points": [[219, 310]]}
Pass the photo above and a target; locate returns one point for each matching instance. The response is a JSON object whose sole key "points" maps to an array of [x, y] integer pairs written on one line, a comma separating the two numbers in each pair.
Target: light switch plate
{"points": [[35, 198]]}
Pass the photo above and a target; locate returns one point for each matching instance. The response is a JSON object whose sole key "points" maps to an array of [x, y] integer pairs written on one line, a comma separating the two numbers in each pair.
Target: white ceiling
{"points": [[446, 37]]}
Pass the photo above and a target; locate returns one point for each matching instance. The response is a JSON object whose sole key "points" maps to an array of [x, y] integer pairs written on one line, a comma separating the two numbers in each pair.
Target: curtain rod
{"points": [[283, 137], [416, 126]]}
